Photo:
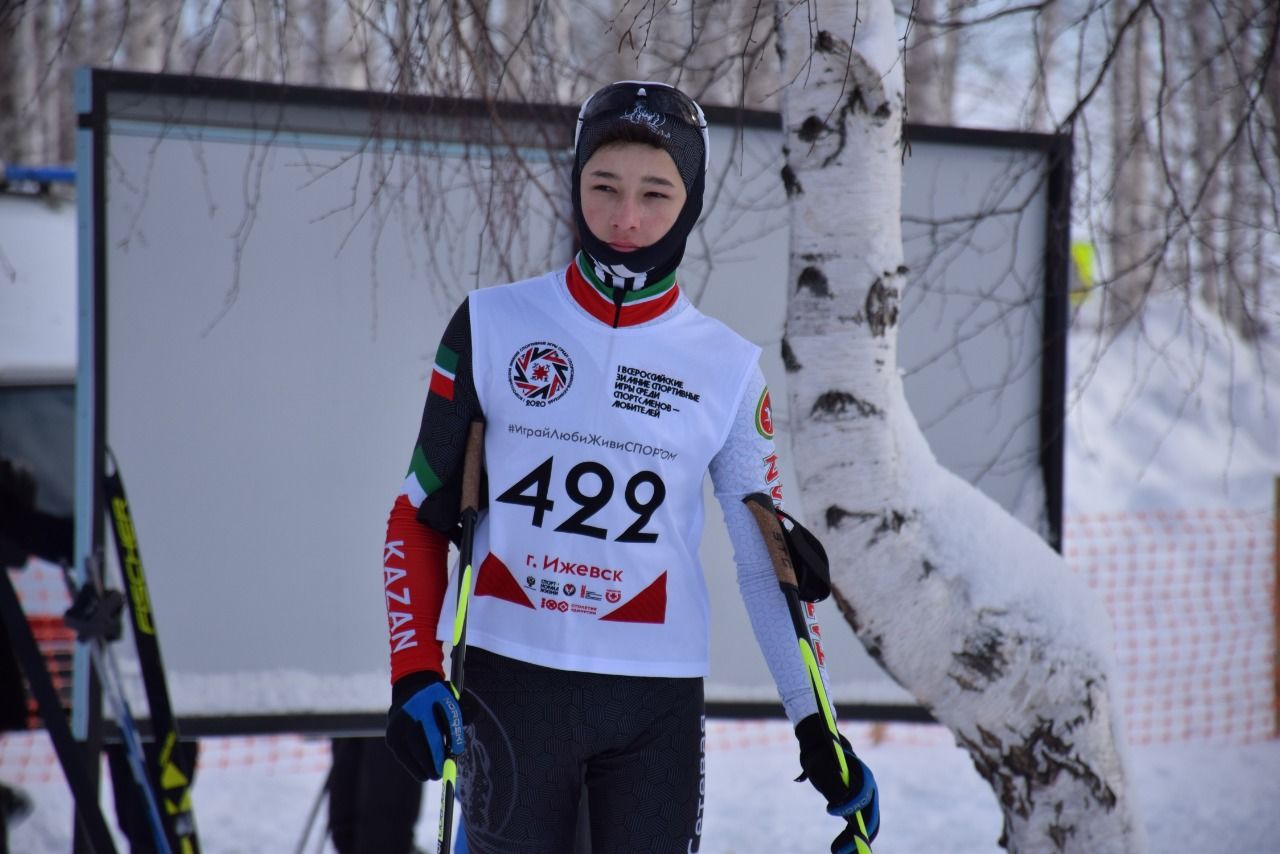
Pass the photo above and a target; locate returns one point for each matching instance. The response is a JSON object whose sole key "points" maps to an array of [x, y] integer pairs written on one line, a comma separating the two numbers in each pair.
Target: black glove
{"points": [[424, 725], [851, 840], [858, 801]]}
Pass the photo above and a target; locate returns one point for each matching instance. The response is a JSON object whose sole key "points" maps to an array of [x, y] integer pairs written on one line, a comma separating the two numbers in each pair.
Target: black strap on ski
{"points": [[83, 789], [171, 771]]}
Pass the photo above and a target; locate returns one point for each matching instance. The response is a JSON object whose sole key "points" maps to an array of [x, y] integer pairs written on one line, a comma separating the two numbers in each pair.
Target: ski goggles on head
{"points": [[654, 97]]}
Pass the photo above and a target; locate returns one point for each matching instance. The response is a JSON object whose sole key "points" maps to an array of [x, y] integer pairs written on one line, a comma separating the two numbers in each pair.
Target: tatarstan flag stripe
{"points": [[602, 309], [413, 490], [447, 360], [441, 385], [421, 481], [444, 372]]}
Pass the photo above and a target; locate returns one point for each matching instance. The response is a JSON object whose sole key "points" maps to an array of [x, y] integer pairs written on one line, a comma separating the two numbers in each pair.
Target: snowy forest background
{"points": [[1173, 108]]}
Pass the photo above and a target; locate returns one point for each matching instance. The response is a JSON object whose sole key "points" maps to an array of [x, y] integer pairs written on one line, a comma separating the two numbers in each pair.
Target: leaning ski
{"points": [[95, 616], [171, 771], [83, 789]]}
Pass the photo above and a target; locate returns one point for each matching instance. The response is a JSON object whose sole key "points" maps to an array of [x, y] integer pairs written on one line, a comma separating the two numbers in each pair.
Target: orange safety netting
{"points": [[1192, 599]]}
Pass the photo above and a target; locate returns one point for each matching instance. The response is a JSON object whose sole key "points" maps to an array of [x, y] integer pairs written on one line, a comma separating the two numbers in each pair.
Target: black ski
{"points": [[95, 616], [171, 770], [83, 788]]}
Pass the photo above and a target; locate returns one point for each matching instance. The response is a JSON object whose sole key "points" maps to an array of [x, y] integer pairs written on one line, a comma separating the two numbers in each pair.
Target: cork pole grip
{"points": [[761, 507], [471, 466]]}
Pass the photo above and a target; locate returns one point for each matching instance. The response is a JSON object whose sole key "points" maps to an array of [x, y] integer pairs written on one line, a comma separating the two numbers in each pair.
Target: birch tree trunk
{"points": [[1241, 288], [10, 90], [150, 34], [42, 109], [1236, 259], [1134, 178], [74, 53], [19, 89], [351, 60], [967, 609], [932, 60], [1206, 131], [1045, 24]]}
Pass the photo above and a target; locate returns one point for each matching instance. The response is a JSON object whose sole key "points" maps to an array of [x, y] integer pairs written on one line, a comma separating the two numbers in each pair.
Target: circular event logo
{"points": [[540, 373]]}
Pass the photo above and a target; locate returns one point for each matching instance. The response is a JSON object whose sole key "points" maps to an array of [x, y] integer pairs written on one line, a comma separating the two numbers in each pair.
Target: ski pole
{"points": [[315, 810], [470, 510], [766, 516]]}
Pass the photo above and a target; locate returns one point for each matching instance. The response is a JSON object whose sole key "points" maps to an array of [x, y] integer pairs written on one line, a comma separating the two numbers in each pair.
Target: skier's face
{"points": [[631, 194]]}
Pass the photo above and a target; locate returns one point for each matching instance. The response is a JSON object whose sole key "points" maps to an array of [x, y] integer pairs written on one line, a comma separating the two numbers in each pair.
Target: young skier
{"points": [[607, 397]]}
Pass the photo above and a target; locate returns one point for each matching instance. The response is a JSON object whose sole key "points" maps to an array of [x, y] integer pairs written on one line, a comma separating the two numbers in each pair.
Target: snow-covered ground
{"points": [[1192, 797], [1172, 415]]}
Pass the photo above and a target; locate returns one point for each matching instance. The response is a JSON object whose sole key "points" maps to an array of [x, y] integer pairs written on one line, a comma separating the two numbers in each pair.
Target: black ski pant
{"points": [[373, 801], [536, 736]]}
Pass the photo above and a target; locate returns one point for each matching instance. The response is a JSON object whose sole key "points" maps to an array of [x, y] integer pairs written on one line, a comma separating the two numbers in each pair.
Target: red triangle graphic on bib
{"points": [[495, 580], [648, 606]]}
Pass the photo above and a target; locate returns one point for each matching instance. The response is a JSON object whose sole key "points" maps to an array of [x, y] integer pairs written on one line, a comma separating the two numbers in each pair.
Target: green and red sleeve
{"points": [[415, 556]]}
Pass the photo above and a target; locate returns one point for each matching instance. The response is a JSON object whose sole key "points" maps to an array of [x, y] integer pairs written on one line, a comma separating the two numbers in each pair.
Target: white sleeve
{"points": [[746, 463]]}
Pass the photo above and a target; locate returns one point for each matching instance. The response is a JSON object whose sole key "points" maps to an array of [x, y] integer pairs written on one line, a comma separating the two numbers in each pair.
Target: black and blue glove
{"points": [[858, 801], [424, 725]]}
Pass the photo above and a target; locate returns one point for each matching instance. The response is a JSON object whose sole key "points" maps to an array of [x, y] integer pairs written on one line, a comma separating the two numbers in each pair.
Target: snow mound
{"points": [[1174, 411]]}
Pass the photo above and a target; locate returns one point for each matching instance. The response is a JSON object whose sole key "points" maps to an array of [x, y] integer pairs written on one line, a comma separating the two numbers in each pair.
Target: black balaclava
{"points": [[686, 146]]}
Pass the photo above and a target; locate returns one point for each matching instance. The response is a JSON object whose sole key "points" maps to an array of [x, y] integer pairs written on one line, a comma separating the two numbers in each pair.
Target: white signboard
{"points": [[273, 284]]}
